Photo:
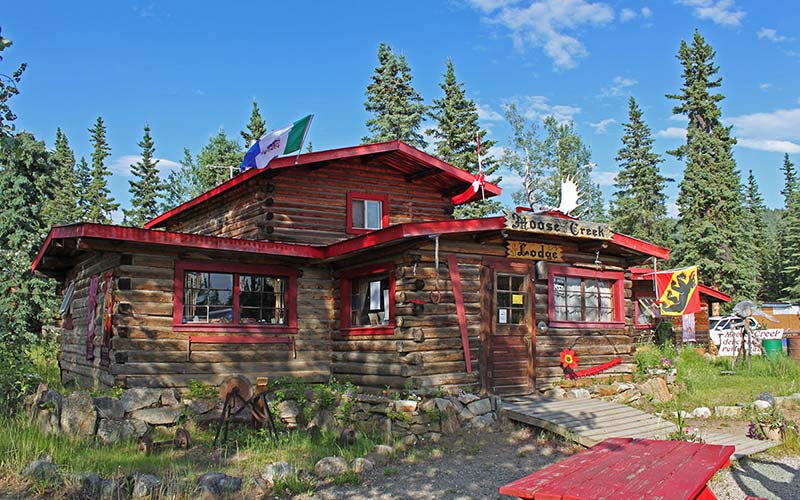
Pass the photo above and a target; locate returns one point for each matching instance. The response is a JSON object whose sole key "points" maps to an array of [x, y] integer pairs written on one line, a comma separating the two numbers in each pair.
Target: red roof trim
{"points": [[707, 290], [320, 156], [640, 246], [137, 235]]}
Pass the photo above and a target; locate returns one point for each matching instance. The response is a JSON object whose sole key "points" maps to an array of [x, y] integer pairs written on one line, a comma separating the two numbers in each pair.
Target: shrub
{"points": [[199, 390]]}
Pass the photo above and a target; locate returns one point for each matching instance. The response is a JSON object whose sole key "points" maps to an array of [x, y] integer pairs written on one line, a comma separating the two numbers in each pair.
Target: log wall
{"points": [[292, 205]]}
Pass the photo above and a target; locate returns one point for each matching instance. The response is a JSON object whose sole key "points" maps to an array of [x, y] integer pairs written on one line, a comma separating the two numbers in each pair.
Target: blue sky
{"points": [[189, 68]]}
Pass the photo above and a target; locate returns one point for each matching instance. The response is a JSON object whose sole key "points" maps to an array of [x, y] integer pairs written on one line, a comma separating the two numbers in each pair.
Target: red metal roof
{"points": [[395, 154]]}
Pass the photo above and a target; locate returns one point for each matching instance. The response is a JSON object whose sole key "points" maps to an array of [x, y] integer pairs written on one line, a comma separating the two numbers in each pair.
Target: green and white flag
{"points": [[278, 142]]}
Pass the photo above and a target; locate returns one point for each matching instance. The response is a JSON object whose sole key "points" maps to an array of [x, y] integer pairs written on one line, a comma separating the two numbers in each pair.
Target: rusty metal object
{"points": [[238, 395], [181, 441]]}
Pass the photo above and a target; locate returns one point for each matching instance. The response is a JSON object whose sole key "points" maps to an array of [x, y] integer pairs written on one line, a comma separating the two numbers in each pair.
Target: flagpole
{"points": [[303, 141]]}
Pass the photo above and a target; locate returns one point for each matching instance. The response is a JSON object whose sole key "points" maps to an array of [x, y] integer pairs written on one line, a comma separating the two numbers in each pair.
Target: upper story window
{"points": [[367, 300], [227, 297], [366, 212], [583, 298]]}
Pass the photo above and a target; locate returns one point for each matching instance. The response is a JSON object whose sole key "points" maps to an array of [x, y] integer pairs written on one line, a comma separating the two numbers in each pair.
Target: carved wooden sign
{"points": [[547, 224], [534, 251]]}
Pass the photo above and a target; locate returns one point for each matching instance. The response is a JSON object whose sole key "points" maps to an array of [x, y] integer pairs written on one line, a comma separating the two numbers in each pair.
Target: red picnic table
{"points": [[627, 469]]}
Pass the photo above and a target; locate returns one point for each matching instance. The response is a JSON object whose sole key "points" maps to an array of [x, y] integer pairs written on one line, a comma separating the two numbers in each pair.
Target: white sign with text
{"points": [[731, 341]]}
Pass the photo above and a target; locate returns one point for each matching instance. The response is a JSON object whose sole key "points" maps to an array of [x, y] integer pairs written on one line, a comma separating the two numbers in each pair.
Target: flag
{"points": [[278, 142], [477, 184], [678, 294]]}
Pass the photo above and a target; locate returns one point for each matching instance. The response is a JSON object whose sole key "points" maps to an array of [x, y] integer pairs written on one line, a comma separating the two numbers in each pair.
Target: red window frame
{"points": [[352, 196], [345, 306], [617, 291], [182, 266]]}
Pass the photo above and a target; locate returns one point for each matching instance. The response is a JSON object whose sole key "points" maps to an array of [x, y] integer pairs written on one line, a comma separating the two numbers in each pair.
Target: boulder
{"points": [[362, 465], [383, 450], [201, 406], [434, 437], [482, 422], [109, 408], [217, 484], [115, 489], [91, 485], [78, 415], [405, 405], [578, 393], [168, 398], [480, 407], [145, 485], [701, 412], [656, 389], [288, 412], [325, 420], [766, 396], [165, 415], [467, 398], [114, 431], [140, 397], [728, 411], [44, 471], [314, 432], [140, 427], [451, 425], [607, 390], [276, 471], [761, 404], [48, 421], [556, 392], [330, 467], [627, 396], [465, 414], [46, 410]]}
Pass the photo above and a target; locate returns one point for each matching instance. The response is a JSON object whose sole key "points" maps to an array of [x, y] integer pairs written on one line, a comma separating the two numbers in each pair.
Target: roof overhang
{"points": [[413, 162]]}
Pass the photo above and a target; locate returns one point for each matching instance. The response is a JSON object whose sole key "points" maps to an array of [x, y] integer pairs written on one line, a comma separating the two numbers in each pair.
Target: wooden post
{"points": [[455, 279]]}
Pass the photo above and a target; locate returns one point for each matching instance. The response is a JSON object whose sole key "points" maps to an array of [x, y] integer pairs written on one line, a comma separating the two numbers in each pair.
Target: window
{"points": [[367, 300], [220, 297], [511, 299], [366, 212], [645, 313], [585, 298]]}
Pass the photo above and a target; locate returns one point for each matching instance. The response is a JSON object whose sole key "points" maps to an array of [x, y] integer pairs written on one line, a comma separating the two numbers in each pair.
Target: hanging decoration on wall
{"points": [[91, 316], [477, 184], [569, 361]]}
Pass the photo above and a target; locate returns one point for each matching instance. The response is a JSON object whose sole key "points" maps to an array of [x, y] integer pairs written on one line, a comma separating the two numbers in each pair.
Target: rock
{"points": [[168, 398], [109, 408], [325, 420], [91, 485], [701, 412], [728, 411], [331, 467], [48, 421], [627, 396], [78, 416], [288, 412], [362, 465], [434, 437], [215, 484], [383, 450], [409, 441], [140, 397], [46, 410], [451, 425], [158, 416], [276, 471], [427, 405], [556, 392], [261, 485], [347, 437], [44, 471], [577, 393], [140, 427], [656, 389], [465, 414], [482, 422], [314, 432], [201, 406], [480, 407], [766, 396], [405, 405], [114, 431], [761, 404], [115, 489], [419, 429], [145, 485], [607, 390]]}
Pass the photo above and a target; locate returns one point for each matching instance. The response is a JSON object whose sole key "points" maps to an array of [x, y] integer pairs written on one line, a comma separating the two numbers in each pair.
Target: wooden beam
{"points": [[455, 279]]}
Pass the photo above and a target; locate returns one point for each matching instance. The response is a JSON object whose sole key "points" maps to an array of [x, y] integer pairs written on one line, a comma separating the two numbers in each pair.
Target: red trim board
{"points": [[455, 279]]}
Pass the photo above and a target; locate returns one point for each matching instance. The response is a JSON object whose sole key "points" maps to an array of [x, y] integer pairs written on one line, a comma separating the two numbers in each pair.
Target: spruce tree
{"points": [[710, 201], [755, 228], [8, 89], [790, 180], [100, 202], [181, 185], [63, 207], [639, 205], [147, 189], [397, 109], [455, 139], [83, 178], [791, 254], [256, 128], [221, 151]]}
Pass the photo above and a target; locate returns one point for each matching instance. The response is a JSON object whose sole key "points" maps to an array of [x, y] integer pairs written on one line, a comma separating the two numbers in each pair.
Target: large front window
{"points": [[231, 297], [582, 297], [367, 300]]}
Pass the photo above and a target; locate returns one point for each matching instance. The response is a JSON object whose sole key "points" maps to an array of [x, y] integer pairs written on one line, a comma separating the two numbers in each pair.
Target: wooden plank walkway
{"points": [[589, 421]]}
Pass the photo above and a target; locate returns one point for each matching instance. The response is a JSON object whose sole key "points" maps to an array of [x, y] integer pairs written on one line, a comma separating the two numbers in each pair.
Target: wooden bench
{"points": [[238, 339]]}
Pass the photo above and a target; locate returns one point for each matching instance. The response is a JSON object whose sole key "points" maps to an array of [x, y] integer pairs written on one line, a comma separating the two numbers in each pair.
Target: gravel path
{"points": [[475, 466]]}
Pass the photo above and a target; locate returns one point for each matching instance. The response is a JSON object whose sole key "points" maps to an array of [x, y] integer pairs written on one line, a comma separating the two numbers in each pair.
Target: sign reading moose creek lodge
{"points": [[547, 224], [534, 251]]}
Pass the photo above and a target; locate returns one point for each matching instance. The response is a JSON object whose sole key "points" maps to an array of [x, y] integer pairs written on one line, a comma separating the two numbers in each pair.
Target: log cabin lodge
{"points": [[346, 263]]}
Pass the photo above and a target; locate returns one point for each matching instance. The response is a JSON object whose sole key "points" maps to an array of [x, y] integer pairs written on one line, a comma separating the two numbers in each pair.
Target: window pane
{"points": [[369, 301], [517, 316], [262, 299], [503, 299], [510, 299], [374, 214], [357, 210], [207, 297], [517, 282]]}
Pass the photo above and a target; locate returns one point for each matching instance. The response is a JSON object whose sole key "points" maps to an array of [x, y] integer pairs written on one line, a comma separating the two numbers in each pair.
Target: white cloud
{"points": [[122, 165], [601, 127], [511, 181], [672, 133], [604, 178], [646, 12], [775, 131], [536, 107], [548, 24], [672, 209], [765, 86], [627, 14], [772, 35], [617, 86], [485, 112], [678, 118], [723, 12], [776, 146]]}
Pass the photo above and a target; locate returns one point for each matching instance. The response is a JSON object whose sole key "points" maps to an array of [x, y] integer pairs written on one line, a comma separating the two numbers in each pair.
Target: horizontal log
{"points": [[215, 379], [265, 367]]}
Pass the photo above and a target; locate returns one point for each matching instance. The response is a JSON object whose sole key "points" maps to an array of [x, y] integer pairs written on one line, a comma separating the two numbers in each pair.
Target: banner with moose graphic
{"points": [[677, 291]]}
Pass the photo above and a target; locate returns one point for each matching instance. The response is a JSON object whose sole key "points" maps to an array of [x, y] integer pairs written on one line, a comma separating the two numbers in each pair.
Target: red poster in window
{"points": [[677, 292]]}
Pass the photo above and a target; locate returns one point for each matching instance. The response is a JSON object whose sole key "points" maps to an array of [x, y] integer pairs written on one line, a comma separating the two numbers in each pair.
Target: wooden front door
{"points": [[508, 313]]}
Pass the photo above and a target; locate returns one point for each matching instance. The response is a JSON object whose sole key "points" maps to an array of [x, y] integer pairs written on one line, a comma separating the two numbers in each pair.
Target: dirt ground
{"points": [[474, 467]]}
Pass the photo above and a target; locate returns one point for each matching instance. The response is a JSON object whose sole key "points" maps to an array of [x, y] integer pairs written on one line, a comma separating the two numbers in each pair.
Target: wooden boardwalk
{"points": [[589, 421]]}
